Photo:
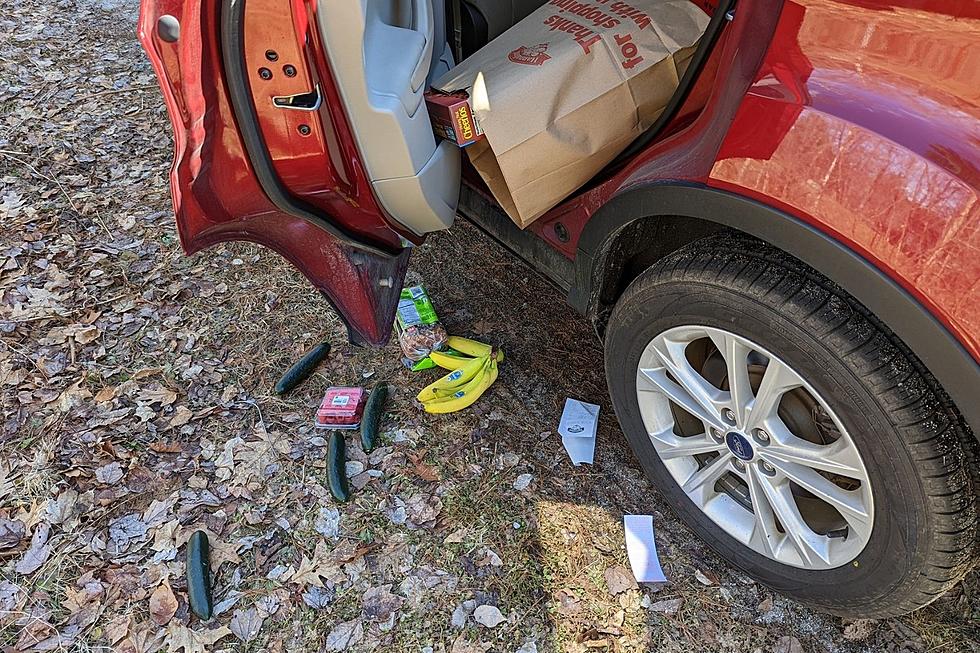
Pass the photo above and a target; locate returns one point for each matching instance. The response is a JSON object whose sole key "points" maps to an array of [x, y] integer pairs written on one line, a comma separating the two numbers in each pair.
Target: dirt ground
{"points": [[137, 408]]}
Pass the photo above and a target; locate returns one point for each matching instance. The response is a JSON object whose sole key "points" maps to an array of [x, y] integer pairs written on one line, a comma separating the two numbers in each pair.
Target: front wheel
{"points": [[791, 430]]}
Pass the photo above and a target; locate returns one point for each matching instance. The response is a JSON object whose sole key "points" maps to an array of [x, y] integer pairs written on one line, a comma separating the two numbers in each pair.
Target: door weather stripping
{"points": [[236, 77]]}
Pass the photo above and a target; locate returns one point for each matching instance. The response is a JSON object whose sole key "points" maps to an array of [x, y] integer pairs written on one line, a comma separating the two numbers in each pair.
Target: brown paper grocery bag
{"points": [[564, 91]]}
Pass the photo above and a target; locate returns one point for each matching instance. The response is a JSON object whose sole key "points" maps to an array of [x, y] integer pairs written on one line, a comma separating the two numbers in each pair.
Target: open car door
{"points": [[300, 125]]}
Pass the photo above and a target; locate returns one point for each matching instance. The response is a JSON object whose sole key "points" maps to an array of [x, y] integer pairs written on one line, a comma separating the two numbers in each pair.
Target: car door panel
{"points": [[248, 168], [381, 57]]}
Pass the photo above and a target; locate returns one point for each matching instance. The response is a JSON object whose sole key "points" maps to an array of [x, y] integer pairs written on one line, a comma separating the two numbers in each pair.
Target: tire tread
{"points": [[938, 439]]}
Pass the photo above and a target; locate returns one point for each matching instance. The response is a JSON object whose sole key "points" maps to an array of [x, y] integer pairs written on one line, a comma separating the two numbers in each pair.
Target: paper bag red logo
{"points": [[533, 55]]}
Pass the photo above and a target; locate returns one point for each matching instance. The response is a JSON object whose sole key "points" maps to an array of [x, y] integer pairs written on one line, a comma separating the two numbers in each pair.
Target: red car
{"points": [[784, 269]]}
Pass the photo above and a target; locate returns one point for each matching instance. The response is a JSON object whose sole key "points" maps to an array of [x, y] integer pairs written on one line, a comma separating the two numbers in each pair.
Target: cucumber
{"points": [[302, 368], [337, 468], [372, 417], [199, 575]]}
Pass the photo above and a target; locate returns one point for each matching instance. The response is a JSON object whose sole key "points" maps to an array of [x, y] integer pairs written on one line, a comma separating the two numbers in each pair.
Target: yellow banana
{"points": [[449, 394], [449, 361], [453, 381], [469, 347], [468, 394]]}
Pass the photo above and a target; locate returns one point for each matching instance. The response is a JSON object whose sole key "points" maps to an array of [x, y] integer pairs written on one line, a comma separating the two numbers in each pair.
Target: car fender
{"points": [[856, 150], [865, 122], [942, 354]]}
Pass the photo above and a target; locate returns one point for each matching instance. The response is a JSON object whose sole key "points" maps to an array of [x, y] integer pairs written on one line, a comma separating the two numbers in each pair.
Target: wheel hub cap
{"points": [[755, 447], [739, 445]]}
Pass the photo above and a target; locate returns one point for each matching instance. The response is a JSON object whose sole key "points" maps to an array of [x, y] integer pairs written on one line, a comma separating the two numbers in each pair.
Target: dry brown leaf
{"points": [[107, 393], [37, 553], [182, 638], [182, 416], [246, 624], [163, 604], [118, 628], [161, 395], [161, 446], [422, 510], [343, 636], [457, 536], [12, 531], [788, 644], [33, 633], [619, 579], [706, 578], [349, 552], [110, 473], [142, 639], [310, 571], [229, 393], [421, 469], [72, 396], [165, 536], [379, 603], [83, 334]]}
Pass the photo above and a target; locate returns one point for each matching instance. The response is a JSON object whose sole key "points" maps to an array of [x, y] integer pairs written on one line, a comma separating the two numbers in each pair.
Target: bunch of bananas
{"points": [[473, 368]]}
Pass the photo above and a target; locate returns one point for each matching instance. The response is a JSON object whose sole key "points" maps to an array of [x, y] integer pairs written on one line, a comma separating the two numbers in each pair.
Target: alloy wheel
{"points": [[755, 447]]}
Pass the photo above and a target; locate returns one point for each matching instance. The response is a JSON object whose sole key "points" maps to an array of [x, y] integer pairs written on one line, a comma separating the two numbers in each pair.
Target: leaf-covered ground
{"points": [[137, 408]]}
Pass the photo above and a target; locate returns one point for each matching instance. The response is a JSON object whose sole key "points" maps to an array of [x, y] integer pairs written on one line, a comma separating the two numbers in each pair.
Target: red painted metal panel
{"points": [[865, 122], [216, 195]]}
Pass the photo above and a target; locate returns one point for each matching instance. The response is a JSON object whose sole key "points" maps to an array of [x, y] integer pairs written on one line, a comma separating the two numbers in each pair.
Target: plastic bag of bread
{"points": [[418, 327]]}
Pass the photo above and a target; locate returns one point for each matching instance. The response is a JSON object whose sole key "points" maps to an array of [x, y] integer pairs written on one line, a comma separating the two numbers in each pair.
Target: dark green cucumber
{"points": [[302, 368], [337, 468], [372, 417], [199, 575]]}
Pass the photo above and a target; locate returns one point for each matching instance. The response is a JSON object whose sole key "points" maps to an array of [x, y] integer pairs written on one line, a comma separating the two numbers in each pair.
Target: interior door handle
{"points": [[424, 24], [309, 101]]}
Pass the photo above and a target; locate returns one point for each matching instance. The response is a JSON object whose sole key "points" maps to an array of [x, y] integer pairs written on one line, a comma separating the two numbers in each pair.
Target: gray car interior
{"points": [[482, 21], [383, 54]]}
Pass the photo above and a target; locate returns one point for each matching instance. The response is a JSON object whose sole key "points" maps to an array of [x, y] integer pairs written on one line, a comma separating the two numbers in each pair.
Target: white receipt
{"points": [[579, 422], [642, 549]]}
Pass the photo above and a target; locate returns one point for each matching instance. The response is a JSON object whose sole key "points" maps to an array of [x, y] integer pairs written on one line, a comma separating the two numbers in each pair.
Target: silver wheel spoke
{"points": [[764, 536], [849, 503], [797, 531], [656, 380], [700, 485], [736, 355], [777, 381], [839, 457], [672, 356], [670, 446], [795, 512]]}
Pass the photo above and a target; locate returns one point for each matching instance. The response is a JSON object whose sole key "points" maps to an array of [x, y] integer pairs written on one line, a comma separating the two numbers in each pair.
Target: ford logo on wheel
{"points": [[739, 445]]}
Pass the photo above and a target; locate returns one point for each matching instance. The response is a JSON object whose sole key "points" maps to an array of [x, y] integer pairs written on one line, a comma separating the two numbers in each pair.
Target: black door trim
{"points": [[721, 16], [239, 92]]}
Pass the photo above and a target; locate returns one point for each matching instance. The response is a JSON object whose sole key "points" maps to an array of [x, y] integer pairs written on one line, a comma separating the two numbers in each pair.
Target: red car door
{"points": [[323, 155]]}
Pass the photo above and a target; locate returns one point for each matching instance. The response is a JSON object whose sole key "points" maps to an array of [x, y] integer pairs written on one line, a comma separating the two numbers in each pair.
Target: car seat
{"points": [[481, 21]]}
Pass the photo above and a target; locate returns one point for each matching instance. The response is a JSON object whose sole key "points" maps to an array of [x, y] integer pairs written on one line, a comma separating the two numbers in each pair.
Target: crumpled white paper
{"points": [[578, 425]]}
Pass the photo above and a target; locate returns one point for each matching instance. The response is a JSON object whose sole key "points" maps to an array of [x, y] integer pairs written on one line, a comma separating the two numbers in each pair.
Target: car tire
{"points": [[860, 382]]}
